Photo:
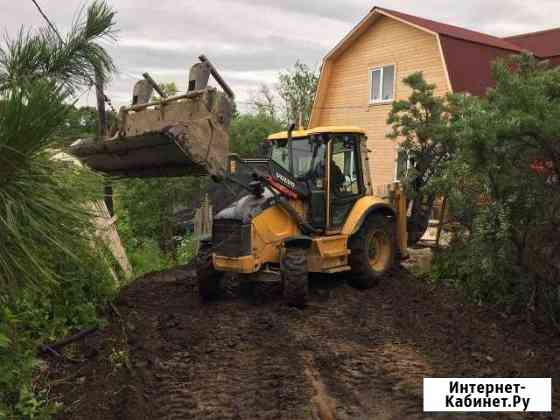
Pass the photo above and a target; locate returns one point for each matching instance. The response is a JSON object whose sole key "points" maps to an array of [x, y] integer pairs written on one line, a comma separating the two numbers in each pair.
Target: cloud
{"points": [[251, 41]]}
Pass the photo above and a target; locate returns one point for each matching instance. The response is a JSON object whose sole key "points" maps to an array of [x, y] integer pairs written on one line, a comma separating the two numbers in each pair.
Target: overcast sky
{"points": [[250, 41]]}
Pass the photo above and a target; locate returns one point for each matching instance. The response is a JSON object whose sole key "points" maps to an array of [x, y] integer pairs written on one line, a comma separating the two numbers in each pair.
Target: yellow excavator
{"points": [[309, 207]]}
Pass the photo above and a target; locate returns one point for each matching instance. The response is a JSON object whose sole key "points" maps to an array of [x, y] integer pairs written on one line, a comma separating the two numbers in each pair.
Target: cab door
{"points": [[344, 178]]}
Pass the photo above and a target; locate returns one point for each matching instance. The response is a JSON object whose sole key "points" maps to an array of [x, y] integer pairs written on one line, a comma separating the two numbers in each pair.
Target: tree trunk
{"points": [[102, 131], [419, 219]]}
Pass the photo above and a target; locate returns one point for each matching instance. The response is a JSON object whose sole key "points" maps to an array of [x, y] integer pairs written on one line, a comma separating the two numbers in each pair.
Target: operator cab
{"points": [[298, 161]]}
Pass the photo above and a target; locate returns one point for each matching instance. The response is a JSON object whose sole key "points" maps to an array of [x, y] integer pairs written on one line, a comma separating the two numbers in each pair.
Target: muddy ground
{"points": [[350, 355]]}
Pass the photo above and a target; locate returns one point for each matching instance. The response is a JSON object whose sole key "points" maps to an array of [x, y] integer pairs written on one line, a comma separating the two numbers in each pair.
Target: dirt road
{"points": [[349, 355]]}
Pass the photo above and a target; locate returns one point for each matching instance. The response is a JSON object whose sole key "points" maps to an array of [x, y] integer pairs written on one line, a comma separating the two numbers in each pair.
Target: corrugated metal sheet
{"points": [[469, 64], [543, 44]]}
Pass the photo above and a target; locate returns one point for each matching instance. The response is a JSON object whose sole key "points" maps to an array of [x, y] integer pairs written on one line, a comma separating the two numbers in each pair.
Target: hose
{"points": [[305, 227]]}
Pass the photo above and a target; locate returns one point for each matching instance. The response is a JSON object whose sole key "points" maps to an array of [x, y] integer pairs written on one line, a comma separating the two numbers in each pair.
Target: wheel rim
{"points": [[379, 251]]}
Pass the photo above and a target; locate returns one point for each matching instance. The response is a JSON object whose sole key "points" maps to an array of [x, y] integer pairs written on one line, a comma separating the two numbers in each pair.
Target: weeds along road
{"points": [[349, 355]]}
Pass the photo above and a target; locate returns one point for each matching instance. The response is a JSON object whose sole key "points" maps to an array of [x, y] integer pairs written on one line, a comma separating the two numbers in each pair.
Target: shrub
{"points": [[503, 185]]}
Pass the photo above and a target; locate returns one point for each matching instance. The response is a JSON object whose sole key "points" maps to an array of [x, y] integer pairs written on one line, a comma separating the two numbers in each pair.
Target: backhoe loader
{"points": [[310, 208]]}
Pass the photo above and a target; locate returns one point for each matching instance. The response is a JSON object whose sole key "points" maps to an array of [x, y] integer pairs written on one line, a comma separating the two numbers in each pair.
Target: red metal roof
{"points": [[454, 31], [469, 65], [468, 54], [543, 44]]}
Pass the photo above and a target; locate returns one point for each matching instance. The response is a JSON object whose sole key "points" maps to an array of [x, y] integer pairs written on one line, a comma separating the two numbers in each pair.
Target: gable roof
{"points": [[426, 25], [452, 31], [467, 55], [544, 44]]}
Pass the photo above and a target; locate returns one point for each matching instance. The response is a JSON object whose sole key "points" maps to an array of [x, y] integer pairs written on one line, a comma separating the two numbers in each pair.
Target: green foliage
{"points": [[264, 102], [82, 122], [147, 221], [170, 89], [422, 125], [248, 131], [36, 74], [503, 185], [52, 273], [147, 257], [297, 89], [71, 63], [31, 317]]}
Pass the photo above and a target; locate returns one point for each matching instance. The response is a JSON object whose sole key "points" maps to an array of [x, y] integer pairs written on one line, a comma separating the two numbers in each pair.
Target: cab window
{"points": [[345, 166], [281, 155], [306, 156], [346, 185]]}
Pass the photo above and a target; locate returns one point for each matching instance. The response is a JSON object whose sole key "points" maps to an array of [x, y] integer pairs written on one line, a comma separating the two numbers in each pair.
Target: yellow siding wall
{"points": [[346, 99]]}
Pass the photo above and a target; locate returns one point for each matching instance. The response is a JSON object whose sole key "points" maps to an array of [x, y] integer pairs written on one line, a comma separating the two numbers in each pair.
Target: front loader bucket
{"points": [[185, 135]]}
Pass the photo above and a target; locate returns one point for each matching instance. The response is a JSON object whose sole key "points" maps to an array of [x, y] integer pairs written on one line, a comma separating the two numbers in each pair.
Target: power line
{"points": [[51, 25], [48, 20]]}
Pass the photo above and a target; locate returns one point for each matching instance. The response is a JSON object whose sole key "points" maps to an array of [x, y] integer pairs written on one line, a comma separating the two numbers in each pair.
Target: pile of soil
{"points": [[349, 355]]}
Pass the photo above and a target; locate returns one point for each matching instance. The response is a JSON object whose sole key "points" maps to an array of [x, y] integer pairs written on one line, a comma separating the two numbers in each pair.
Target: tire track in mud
{"points": [[228, 360], [346, 342], [361, 367], [341, 358], [235, 360]]}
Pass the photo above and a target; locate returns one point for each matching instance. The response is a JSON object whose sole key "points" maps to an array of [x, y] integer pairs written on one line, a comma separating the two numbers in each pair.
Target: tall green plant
{"points": [[506, 173], [297, 89], [38, 74], [52, 271], [422, 126]]}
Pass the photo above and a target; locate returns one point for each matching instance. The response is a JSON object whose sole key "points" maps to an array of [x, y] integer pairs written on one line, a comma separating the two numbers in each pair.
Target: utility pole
{"points": [[102, 132]]}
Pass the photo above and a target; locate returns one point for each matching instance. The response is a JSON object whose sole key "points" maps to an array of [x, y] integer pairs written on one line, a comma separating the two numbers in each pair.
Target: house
{"points": [[363, 74]]}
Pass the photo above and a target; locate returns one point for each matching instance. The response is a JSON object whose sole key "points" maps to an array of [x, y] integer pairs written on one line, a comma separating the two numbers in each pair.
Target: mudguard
{"points": [[362, 209]]}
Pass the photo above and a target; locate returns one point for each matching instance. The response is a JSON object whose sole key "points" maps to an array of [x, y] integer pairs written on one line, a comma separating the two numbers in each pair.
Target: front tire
{"points": [[210, 281], [295, 278], [373, 251]]}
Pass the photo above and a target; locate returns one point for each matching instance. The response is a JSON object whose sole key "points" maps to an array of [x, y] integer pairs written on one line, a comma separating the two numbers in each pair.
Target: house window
{"points": [[382, 84]]}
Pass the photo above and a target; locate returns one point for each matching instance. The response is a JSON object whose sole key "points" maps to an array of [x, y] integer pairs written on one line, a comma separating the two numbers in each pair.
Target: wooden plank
{"points": [[345, 98], [107, 232], [202, 222]]}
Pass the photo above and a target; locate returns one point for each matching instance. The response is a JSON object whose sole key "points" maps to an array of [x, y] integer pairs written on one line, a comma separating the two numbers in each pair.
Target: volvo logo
{"points": [[285, 180]]}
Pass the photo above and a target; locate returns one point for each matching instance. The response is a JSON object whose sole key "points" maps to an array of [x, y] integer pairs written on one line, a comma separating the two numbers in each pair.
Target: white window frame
{"points": [[408, 166], [381, 70]]}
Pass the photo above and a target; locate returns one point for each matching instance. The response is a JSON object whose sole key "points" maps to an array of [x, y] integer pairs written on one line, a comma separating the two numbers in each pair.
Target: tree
{"points": [[170, 89], [264, 102], [38, 74], [508, 154], [148, 207], [297, 89], [53, 273], [247, 131], [422, 125], [82, 122]]}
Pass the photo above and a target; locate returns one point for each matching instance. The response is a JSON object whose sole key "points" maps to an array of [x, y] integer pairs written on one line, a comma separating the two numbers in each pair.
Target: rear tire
{"points": [[295, 277], [373, 251], [210, 281]]}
